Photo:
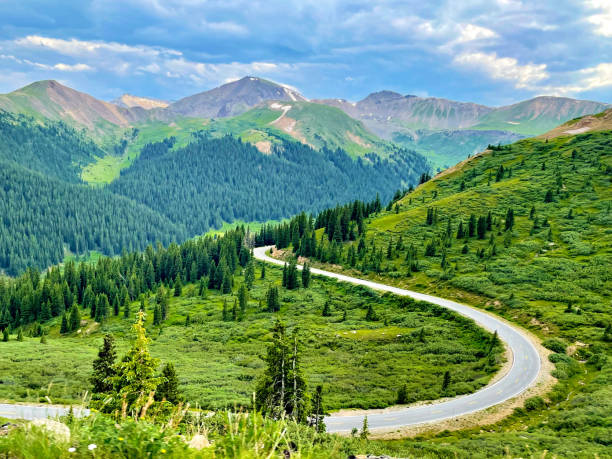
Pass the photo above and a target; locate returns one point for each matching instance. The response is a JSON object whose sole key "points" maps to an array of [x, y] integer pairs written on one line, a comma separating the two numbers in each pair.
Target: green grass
{"points": [[554, 280], [361, 364]]}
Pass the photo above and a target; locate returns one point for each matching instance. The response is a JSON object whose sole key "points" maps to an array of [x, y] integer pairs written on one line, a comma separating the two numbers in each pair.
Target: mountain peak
{"points": [[234, 98]]}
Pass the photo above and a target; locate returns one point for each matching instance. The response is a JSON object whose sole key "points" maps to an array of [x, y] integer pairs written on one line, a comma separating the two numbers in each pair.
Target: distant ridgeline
{"points": [[167, 194]]}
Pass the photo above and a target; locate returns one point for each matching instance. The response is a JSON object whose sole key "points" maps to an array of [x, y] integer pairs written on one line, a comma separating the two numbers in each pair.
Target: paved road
{"points": [[31, 412], [525, 366]]}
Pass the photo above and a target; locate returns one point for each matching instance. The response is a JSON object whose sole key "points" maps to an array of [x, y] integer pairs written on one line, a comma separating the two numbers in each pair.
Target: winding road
{"points": [[525, 368]]}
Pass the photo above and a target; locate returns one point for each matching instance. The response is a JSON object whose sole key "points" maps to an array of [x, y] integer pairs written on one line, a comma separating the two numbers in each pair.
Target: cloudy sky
{"points": [[488, 51]]}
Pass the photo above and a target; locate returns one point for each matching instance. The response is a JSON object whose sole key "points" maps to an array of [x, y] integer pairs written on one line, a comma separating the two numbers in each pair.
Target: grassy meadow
{"points": [[360, 363]]}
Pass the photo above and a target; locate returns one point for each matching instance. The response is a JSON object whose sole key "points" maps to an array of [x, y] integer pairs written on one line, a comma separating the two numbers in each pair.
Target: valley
{"points": [[437, 235]]}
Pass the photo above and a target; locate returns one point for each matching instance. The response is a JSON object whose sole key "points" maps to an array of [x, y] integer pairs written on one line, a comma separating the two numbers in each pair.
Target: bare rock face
{"points": [[60, 431]]}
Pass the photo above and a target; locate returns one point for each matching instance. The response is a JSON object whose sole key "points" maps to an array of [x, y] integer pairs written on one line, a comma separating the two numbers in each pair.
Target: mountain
{"points": [[446, 131], [130, 101], [52, 100], [312, 124], [233, 98], [380, 111], [589, 123], [538, 115]]}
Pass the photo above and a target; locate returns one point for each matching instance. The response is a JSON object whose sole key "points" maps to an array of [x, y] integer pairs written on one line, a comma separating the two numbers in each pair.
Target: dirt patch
{"points": [[265, 146], [358, 140]]}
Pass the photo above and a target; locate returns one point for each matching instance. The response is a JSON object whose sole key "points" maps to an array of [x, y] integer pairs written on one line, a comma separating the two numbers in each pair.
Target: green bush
{"points": [[554, 345], [534, 403]]}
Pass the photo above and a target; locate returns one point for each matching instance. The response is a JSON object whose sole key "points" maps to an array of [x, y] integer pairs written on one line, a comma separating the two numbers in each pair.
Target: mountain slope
{"points": [[146, 103], [233, 98], [316, 125], [381, 110], [52, 100], [44, 218], [52, 148], [538, 115], [216, 180], [589, 123]]}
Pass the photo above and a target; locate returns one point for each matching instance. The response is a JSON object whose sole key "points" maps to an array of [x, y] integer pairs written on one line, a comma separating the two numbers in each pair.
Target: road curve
{"points": [[31, 412], [525, 368]]}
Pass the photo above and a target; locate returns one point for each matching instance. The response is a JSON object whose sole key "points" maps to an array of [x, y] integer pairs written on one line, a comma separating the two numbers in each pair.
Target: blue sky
{"points": [[493, 52]]}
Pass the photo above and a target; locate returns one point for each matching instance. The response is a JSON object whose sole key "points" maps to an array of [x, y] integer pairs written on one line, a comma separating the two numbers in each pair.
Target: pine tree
{"points": [[126, 308], [249, 274], [64, 327], [281, 391], [5, 335], [292, 275], [103, 367], [178, 286], [460, 232], [481, 227], [318, 412], [472, 225], [272, 299], [102, 307], [225, 313], [326, 309], [169, 389], [226, 286], [548, 197], [135, 380], [263, 270], [235, 311], [402, 395], [306, 275], [284, 281], [43, 339], [157, 316], [75, 318], [509, 219], [370, 314], [446, 380]]}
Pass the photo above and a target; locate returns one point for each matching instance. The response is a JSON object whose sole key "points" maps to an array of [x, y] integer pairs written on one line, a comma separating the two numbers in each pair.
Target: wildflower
{"points": [[162, 450], [72, 449], [92, 446], [120, 438]]}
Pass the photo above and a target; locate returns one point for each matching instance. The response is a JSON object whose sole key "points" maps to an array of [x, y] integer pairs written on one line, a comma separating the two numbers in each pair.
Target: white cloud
{"points": [[76, 47], [504, 68], [603, 19], [72, 68], [599, 76], [471, 32]]}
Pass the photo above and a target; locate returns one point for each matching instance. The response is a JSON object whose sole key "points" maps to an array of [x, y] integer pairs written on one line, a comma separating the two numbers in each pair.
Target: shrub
{"points": [[534, 403], [554, 345]]}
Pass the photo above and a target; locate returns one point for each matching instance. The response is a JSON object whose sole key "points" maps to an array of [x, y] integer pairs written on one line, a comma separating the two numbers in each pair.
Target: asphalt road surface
{"points": [[525, 366]]}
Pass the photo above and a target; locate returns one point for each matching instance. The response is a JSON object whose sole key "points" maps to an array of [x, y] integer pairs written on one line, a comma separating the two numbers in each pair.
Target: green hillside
{"points": [[522, 231], [51, 148]]}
